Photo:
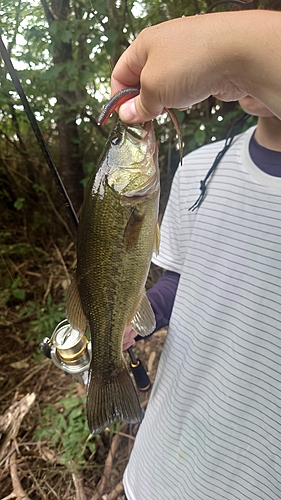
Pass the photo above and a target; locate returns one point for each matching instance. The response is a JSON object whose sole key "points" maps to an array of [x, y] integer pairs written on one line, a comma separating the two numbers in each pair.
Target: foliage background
{"points": [[64, 51]]}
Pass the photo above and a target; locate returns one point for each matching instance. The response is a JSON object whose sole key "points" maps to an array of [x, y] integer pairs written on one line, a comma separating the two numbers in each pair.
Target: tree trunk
{"points": [[71, 163]]}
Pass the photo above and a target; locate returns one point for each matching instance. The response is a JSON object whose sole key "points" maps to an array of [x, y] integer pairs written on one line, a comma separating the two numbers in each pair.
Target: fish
{"points": [[117, 234]]}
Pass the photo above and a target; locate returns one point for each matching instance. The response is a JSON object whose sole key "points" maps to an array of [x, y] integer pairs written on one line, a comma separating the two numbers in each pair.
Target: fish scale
{"points": [[117, 233]]}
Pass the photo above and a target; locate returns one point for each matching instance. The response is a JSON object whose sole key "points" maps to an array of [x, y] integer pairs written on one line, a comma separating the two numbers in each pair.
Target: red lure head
{"points": [[116, 101]]}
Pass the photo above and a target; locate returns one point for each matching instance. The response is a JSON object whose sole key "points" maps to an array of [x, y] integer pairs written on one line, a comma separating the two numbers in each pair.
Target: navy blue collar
{"points": [[267, 160]]}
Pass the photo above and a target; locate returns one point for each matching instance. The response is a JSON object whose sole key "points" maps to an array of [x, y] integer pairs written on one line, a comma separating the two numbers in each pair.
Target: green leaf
{"points": [[70, 402], [38, 188], [76, 412], [100, 6], [19, 294], [110, 45], [52, 72], [72, 85], [180, 115], [66, 36], [19, 203], [199, 136], [53, 28]]}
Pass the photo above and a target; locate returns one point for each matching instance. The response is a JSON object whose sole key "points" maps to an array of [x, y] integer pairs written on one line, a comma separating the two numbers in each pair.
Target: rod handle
{"points": [[141, 378]]}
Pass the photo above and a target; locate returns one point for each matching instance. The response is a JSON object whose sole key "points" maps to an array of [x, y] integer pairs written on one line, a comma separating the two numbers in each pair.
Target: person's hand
{"points": [[129, 337], [175, 65], [181, 62]]}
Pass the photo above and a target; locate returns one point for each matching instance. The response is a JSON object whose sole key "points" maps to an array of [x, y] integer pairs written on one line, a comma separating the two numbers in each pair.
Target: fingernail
{"points": [[127, 111]]}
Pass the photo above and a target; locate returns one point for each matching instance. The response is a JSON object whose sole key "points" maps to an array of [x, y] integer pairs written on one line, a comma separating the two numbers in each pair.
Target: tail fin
{"points": [[110, 399]]}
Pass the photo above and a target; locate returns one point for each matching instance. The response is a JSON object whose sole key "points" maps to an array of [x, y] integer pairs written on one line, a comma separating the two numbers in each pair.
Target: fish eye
{"points": [[115, 141]]}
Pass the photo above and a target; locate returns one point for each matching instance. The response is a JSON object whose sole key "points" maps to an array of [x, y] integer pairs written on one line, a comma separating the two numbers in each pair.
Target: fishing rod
{"points": [[67, 348]]}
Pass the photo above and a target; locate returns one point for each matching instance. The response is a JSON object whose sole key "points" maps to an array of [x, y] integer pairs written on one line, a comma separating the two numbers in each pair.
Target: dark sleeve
{"points": [[161, 296]]}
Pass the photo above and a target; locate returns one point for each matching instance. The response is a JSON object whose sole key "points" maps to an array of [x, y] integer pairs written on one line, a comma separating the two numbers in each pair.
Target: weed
{"points": [[46, 317], [65, 427]]}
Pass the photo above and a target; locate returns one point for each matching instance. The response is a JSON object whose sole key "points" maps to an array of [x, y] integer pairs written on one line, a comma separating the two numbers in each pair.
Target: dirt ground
{"points": [[31, 469]]}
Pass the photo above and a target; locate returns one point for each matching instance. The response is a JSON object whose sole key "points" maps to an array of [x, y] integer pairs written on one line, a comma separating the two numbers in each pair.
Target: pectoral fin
{"points": [[74, 310], [143, 321], [133, 229]]}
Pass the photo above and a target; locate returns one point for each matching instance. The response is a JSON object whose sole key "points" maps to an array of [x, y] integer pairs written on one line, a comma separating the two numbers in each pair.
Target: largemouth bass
{"points": [[117, 233]]}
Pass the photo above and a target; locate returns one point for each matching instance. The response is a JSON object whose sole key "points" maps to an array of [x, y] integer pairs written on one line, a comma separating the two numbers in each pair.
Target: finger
{"points": [[134, 111], [129, 335], [128, 69], [128, 344], [132, 71]]}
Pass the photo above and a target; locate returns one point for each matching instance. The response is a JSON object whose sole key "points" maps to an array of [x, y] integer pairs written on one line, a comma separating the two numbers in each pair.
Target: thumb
{"points": [[134, 111]]}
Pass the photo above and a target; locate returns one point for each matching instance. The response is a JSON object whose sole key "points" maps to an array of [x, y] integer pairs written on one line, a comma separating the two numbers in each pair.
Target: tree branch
{"points": [[17, 487]]}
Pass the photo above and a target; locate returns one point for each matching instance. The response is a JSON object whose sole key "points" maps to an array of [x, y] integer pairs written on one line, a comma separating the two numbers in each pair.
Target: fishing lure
{"points": [[123, 96]]}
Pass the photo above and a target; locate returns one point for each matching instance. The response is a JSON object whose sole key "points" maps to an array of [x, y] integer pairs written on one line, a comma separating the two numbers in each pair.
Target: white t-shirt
{"points": [[212, 429]]}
